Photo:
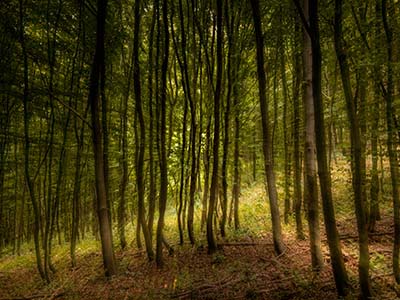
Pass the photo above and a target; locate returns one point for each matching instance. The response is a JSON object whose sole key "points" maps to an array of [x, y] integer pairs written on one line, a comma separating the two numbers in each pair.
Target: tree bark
{"points": [[142, 139], [339, 270], [163, 154], [391, 138], [27, 112], [101, 194], [310, 186], [358, 176], [268, 164], [212, 245]]}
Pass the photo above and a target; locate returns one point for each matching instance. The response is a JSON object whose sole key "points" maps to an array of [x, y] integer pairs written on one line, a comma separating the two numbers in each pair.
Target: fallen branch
{"points": [[381, 275], [207, 287], [44, 296], [353, 237], [237, 244]]}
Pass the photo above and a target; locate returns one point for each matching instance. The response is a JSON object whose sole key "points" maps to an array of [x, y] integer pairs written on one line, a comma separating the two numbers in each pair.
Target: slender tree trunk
{"points": [[268, 165], [229, 29], [182, 176], [297, 201], [236, 151], [28, 179], [391, 137], [152, 180], [101, 194], [163, 154], [212, 245], [189, 95], [375, 112], [339, 271], [142, 139], [310, 186], [358, 175], [124, 160], [206, 157]]}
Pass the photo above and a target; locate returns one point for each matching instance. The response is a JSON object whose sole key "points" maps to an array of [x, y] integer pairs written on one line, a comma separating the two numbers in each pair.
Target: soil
{"points": [[241, 269]]}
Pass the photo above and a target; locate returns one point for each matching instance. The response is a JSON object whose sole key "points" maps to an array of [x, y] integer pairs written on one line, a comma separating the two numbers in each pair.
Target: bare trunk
{"points": [[310, 186], [268, 165], [101, 194]]}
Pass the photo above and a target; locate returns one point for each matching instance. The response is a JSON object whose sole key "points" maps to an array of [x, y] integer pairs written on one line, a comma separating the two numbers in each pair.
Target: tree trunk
{"points": [[268, 165], [102, 204], [152, 180], [310, 186], [142, 139], [163, 154], [339, 271], [28, 179], [358, 176], [391, 138], [212, 245]]}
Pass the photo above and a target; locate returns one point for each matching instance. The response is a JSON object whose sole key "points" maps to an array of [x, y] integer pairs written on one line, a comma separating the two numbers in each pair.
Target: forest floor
{"points": [[245, 267]]}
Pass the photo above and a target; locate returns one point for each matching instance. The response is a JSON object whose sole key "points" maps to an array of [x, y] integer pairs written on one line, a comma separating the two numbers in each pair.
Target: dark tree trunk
{"points": [[28, 179], [152, 180], [142, 138], [339, 270], [358, 176], [212, 245], [101, 194], [310, 186], [163, 154], [391, 138], [268, 165], [229, 29]]}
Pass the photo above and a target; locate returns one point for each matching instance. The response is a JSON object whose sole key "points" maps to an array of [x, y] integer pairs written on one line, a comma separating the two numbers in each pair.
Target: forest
{"points": [[199, 149]]}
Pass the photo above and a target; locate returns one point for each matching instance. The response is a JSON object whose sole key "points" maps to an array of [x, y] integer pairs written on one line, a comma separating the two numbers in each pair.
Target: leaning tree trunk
{"points": [[358, 176], [339, 270], [268, 165]]}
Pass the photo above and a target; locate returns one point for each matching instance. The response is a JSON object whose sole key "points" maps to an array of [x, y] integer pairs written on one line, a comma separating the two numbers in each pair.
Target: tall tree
{"points": [[268, 163], [339, 270], [387, 10], [142, 140], [27, 113], [310, 186], [93, 98], [212, 245], [358, 174], [163, 153]]}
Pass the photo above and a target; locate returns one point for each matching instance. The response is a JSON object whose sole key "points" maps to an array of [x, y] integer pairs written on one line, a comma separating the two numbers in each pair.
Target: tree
{"points": [[391, 145], [93, 98], [339, 271], [310, 185], [268, 164], [142, 140], [358, 174], [28, 178], [212, 245], [163, 152]]}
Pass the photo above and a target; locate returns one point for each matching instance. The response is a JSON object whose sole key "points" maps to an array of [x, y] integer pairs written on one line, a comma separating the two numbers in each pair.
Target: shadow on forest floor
{"points": [[242, 269]]}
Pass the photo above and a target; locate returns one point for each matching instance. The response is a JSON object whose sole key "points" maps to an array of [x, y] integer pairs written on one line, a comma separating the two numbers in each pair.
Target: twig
{"points": [[381, 275], [350, 237], [45, 296], [245, 244], [206, 287]]}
